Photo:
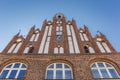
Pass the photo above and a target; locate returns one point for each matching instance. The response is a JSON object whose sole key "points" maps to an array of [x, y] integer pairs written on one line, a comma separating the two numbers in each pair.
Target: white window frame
{"points": [[105, 67], [55, 69], [12, 68]]}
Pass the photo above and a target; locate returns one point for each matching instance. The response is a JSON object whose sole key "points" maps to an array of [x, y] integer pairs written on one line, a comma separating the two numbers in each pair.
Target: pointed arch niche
{"points": [[15, 46]]}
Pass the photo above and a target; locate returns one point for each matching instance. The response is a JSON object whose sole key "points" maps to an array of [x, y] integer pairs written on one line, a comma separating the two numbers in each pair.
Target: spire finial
{"points": [[19, 32], [99, 32]]}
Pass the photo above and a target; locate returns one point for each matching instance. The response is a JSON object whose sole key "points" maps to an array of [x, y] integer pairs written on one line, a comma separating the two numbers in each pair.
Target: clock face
{"points": [[59, 38]]}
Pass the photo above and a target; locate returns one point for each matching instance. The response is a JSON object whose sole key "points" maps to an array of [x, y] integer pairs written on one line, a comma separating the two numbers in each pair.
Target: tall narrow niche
{"points": [[58, 49], [44, 46]]}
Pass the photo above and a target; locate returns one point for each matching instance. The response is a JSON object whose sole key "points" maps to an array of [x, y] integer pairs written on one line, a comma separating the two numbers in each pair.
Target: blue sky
{"points": [[102, 15]]}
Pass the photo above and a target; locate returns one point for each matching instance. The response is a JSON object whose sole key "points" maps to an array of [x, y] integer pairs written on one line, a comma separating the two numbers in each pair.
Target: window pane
{"points": [[68, 74], [59, 74], [100, 64], [13, 74], [49, 74], [23, 66], [52, 66], [104, 73], [93, 66], [9, 66], [4, 74], [58, 65], [17, 65], [113, 73], [95, 73], [108, 65], [21, 74], [66, 66]]}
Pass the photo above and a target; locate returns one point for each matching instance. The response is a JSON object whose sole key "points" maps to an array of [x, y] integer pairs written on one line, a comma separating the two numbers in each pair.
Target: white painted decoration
{"points": [[17, 47], [61, 50], [91, 50], [32, 38], [85, 37], [55, 50], [37, 35], [75, 41], [81, 36], [100, 47], [106, 47], [43, 40], [12, 47], [26, 50]]}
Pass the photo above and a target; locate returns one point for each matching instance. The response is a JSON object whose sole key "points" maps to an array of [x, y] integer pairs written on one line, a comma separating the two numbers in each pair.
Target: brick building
{"points": [[59, 51]]}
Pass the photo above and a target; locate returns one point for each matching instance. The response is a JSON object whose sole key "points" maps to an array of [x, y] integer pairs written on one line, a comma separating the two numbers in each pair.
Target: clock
{"points": [[58, 38]]}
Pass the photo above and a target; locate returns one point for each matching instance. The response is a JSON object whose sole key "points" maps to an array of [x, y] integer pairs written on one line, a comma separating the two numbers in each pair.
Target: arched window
{"points": [[59, 71], [56, 50], [13, 70], [59, 50], [103, 70]]}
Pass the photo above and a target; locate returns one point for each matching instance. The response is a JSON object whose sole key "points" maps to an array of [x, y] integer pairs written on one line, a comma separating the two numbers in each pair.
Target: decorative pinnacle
{"points": [[100, 33], [19, 32]]}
